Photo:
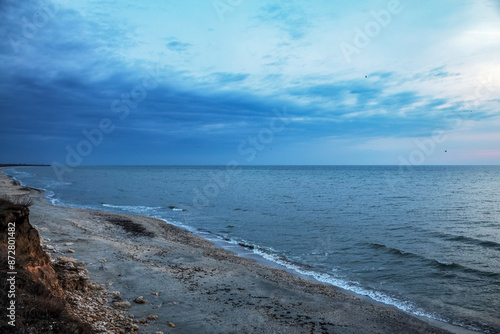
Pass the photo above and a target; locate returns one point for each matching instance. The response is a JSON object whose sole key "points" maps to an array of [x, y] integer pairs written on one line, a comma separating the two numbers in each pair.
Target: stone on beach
{"points": [[68, 259], [121, 304], [140, 300]]}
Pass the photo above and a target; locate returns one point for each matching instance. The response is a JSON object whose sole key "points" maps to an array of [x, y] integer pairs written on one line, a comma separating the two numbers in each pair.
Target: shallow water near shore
{"points": [[424, 239]]}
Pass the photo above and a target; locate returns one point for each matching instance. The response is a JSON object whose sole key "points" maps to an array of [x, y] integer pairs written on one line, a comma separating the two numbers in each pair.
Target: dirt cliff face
{"points": [[29, 253], [32, 288]]}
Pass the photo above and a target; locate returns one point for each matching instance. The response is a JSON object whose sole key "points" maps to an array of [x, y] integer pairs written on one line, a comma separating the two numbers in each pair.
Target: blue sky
{"points": [[253, 82]]}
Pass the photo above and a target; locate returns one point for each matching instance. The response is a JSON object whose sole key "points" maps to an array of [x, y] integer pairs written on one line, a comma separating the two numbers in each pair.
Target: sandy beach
{"points": [[187, 282]]}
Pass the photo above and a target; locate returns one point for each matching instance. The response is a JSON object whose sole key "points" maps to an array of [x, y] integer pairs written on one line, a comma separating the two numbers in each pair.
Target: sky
{"points": [[318, 82]]}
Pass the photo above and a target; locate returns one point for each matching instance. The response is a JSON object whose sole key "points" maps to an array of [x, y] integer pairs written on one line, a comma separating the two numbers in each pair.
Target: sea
{"points": [[425, 239]]}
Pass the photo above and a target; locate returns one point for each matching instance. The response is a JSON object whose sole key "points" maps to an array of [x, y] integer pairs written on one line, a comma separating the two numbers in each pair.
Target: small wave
{"points": [[178, 224], [439, 264], [56, 184], [245, 245], [468, 270], [52, 198], [174, 208], [470, 240], [42, 183], [14, 173], [272, 255], [446, 263], [134, 209], [392, 250], [354, 287]]}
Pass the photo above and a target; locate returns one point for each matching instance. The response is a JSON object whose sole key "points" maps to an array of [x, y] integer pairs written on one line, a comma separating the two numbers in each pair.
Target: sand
{"points": [[200, 288]]}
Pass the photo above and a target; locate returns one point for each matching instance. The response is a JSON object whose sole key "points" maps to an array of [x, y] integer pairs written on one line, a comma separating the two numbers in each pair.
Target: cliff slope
{"points": [[31, 291]]}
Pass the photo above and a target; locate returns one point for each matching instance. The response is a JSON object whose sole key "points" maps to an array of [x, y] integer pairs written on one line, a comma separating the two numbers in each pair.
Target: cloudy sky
{"points": [[255, 82]]}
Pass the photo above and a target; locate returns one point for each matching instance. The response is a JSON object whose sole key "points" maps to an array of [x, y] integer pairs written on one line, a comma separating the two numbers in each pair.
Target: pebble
{"points": [[70, 251], [68, 244], [140, 300], [152, 317], [102, 318], [121, 304], [171, 324]]}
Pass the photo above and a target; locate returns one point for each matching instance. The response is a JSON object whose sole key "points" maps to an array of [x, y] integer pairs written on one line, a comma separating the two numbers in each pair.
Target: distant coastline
{"points": [[22, 165]]}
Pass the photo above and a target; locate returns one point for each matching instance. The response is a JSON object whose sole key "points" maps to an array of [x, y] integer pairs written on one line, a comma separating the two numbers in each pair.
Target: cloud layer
{"points": [[185, 84]]}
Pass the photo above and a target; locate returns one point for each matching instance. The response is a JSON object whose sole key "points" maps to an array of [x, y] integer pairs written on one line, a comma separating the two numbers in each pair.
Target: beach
{"points": [[188, 283]]}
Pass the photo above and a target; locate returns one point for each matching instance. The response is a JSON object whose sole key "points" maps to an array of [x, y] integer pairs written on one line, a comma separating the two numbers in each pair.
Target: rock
{"points": [[171, 324], [95, 286], [144, 321], [135, 327], [68, 259], [121, 304], [115, 294], [103, 261], [152, 317], [140, 300], [71, 277], [49, 247], [68, 244], [70, 251], [159, 332], [156, 293]]}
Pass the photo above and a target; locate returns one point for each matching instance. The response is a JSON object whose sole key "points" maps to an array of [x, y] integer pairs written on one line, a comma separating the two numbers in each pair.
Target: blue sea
{"points": [[424, 239]]}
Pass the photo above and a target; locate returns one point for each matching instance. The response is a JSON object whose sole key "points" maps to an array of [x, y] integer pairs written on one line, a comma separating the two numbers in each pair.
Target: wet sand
{"points": [[197, 287]]}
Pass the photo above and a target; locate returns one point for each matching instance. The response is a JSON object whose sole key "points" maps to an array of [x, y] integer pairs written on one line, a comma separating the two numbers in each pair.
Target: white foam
{"points": [[178, 224], [352, 286], [17, 173], [139, 209]]}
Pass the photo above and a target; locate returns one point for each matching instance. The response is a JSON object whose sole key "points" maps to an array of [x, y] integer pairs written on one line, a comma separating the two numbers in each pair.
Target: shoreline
{"points": [[199, 269]]}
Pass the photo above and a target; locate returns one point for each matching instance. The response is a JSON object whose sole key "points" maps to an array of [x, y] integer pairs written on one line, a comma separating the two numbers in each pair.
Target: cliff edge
{"points": [[32, 290]]}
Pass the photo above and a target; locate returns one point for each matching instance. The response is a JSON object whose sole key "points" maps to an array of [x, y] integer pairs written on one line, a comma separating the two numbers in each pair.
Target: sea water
{"points": [[424, 239]]}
